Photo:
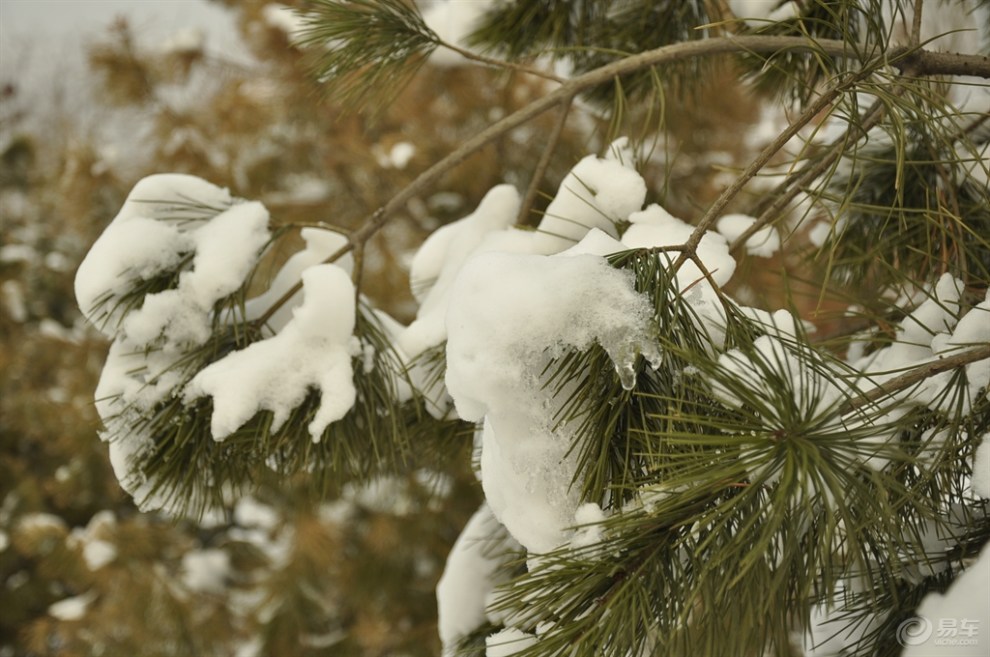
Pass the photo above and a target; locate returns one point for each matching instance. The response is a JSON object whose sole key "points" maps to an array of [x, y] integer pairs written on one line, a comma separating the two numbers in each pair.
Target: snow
{"points": [[470, 576], [934, 329], [284, 19], [434, 269], [40, 522], [208, 243], [597, 193], [98, 554], [398, 157], [320, 245], [954, 624], [384, 494], [508, 642], [506, 302], [820, 233], [12, 297], [133, 251], [205, 570], [165, 219], [757, 13], [655, 227], [438, 261], [312, 351], [15, 253], [587, 522], [508, 315], [980, 482], [453, 21], [188, 40], [72, 609], [829, 633], [764, 243], [226, 249], [127, 453], [249, 512]]}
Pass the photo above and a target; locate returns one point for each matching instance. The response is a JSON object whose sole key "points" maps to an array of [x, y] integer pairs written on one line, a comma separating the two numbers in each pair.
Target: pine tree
{"points": [[682, 450]]}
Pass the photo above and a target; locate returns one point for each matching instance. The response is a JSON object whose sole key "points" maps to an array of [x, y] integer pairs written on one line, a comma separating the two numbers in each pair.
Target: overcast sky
{"points": [[49, 18], [36, 35]]}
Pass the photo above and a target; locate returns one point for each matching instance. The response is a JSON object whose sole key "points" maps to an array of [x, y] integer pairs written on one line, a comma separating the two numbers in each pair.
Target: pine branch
{"points": [[369, 48], [665, 55]]}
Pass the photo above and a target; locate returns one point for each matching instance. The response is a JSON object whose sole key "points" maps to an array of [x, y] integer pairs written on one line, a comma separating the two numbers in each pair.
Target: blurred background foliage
{"points": [[81, 571]]}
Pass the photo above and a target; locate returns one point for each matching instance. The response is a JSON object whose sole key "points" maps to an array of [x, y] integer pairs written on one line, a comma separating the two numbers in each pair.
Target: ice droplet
{"points": [[627, 374]]}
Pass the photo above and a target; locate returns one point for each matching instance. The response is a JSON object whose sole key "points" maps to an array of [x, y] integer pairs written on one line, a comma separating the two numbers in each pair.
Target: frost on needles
{"points": [[633, 421]]}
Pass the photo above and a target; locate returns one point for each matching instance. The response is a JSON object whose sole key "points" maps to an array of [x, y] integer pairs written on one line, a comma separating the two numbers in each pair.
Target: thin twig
{"points": [[917, 375], [318, 225], [500, 63], [916, 23], [544, 163], [799, 181], [810, 112]]}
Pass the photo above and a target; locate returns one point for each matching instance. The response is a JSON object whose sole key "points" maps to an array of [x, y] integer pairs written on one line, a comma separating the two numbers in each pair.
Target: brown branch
{"points": [[500, 63], [922, 62], [917, 375]]}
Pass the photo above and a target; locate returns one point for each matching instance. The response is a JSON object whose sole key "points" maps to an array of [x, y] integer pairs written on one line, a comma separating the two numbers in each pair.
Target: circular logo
{"points": [[914, 631]]}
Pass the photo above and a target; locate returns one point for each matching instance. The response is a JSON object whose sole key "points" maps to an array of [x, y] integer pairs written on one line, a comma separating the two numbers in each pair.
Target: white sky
{"points": [[42, 56], [50, 18], [37, 36]]}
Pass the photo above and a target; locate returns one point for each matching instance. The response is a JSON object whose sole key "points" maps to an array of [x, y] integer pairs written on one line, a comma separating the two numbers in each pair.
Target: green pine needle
{"points": [[366, 50]]}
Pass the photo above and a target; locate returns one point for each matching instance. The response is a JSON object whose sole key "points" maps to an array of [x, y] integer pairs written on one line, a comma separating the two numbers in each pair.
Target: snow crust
{"points": [[509, 314], [165, 219], [312, 351]]}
